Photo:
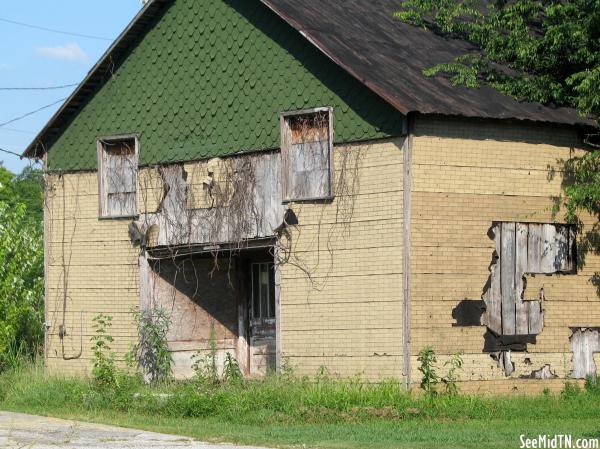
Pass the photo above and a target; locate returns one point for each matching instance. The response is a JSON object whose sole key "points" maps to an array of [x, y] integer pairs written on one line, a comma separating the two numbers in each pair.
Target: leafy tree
{"points": [[540, 50], [25, 188], [21, 281], [21, 263]]}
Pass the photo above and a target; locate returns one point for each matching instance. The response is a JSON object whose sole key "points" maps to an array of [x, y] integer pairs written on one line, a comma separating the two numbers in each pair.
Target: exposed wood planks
{"points": [[254, 210], [521, 312], [535, 317], [117, 176], [493, 296], [307, 153], [507, 263], [584, 343], [524, 248]]}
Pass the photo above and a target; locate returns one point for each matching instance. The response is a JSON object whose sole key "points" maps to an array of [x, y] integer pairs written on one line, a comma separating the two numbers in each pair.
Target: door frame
{"points": [[243, 266]]}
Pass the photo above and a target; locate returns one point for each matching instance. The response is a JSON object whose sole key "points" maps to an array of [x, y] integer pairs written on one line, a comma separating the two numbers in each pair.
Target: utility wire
{"points": [[31, 113], [64, 86], [9, 152], [16, 130], [51, 30]]}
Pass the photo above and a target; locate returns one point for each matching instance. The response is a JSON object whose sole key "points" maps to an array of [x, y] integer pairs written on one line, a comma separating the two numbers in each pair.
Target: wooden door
{"points": [[262, 318]]}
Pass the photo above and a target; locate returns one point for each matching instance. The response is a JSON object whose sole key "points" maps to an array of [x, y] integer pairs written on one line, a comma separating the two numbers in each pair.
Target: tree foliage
{"points": [[25, 188], [538, 50], [21, 281], [21, 263], [551, 48]]}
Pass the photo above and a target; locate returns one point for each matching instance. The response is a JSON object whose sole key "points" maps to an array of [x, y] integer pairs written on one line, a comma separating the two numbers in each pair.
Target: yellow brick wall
{"points": [[92, 268], [467, 174], [341, 289], [341, 304], [341, 292]]}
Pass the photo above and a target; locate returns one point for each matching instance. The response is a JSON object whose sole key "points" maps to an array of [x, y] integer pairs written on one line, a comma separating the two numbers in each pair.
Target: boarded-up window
{"points": [[306, 149], [117, 176], [522, 249]]}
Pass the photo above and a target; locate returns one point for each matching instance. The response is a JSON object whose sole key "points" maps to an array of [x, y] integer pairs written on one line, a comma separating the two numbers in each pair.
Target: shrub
{"points": [[104, 369], [592, 385], [205, 365], [151, 353], [430, 378], [231, 370], [455, 364]]}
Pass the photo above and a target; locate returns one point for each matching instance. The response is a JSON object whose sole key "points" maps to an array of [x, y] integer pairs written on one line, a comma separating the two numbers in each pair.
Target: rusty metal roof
{"points": [[389, 57], [360, 36]]}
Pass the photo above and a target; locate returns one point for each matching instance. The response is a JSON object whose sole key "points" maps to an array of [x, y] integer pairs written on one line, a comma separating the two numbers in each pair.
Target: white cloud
{"points": [[71, 52]]}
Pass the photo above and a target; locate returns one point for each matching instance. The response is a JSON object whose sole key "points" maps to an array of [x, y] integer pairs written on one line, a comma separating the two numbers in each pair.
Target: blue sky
{"points": [[37, 58]]}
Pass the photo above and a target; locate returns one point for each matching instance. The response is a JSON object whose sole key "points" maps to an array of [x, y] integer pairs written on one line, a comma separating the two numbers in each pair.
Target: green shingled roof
{"points": [[210, 79]]}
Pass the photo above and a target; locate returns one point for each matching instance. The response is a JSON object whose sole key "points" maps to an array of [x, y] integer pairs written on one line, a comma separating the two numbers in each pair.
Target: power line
{"points": [[52, 30], [9, 152], [16, 130], [31, 113], [64, 86]]}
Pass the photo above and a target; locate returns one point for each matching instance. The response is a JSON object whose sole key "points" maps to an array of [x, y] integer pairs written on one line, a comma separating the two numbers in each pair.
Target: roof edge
{"points": [[586, 122], [319, 45], [149, 10]]}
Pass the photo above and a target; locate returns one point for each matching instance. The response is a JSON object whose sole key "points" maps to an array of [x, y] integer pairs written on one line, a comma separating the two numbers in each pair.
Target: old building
{"points": [[282, 178]]}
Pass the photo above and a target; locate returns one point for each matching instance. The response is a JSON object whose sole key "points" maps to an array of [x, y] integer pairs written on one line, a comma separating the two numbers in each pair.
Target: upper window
{"points": [[117, 176], [306, 151]]}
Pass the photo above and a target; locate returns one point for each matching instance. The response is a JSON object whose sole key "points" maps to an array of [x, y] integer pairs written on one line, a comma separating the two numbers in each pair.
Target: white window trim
{"points": [[285, 148], [102, 197]]}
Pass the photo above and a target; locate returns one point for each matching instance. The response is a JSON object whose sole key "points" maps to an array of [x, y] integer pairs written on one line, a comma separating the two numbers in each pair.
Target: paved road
{"points": [[19, 431]]}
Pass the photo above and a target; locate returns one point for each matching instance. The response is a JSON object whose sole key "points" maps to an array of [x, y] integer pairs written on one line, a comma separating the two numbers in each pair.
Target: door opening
{"points": [[262, 318]]}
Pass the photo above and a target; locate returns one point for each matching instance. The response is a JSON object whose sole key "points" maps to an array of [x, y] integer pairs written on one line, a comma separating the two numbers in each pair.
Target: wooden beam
{"points": [[507, 261], [47, 219], [278, 351], [407, 213], [242, 349], [522, 314]]}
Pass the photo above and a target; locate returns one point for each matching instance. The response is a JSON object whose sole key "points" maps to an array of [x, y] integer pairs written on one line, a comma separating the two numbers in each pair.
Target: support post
{"points": [[277, 266], [407, 213]]}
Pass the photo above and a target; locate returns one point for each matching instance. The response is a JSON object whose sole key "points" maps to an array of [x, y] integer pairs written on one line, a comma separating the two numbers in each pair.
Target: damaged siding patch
{"points": [[524, 248], [512, 320], [584, 343]]}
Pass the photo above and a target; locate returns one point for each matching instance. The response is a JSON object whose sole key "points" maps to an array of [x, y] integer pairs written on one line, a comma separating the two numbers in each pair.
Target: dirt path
{"points": [[20, 431]]}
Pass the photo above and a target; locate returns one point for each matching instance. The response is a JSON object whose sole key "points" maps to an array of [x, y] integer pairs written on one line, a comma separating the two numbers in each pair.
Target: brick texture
{"points": [[341, 288]]}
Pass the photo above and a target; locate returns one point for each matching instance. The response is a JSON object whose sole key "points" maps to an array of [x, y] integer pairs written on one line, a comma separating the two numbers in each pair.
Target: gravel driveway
{"points": [[19, 431]]}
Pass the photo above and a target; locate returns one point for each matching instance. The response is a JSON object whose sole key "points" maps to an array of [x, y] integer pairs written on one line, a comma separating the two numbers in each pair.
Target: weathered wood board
{"points": [[507, 263], [524, 248]]}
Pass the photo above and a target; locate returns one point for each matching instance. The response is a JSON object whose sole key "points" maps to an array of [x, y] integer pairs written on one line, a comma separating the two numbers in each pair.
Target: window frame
{"points": [[102, 193], [286, 148]]}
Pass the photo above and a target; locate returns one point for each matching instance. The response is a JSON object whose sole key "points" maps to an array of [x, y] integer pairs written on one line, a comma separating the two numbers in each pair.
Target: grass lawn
{"points": [[312, 413]]}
